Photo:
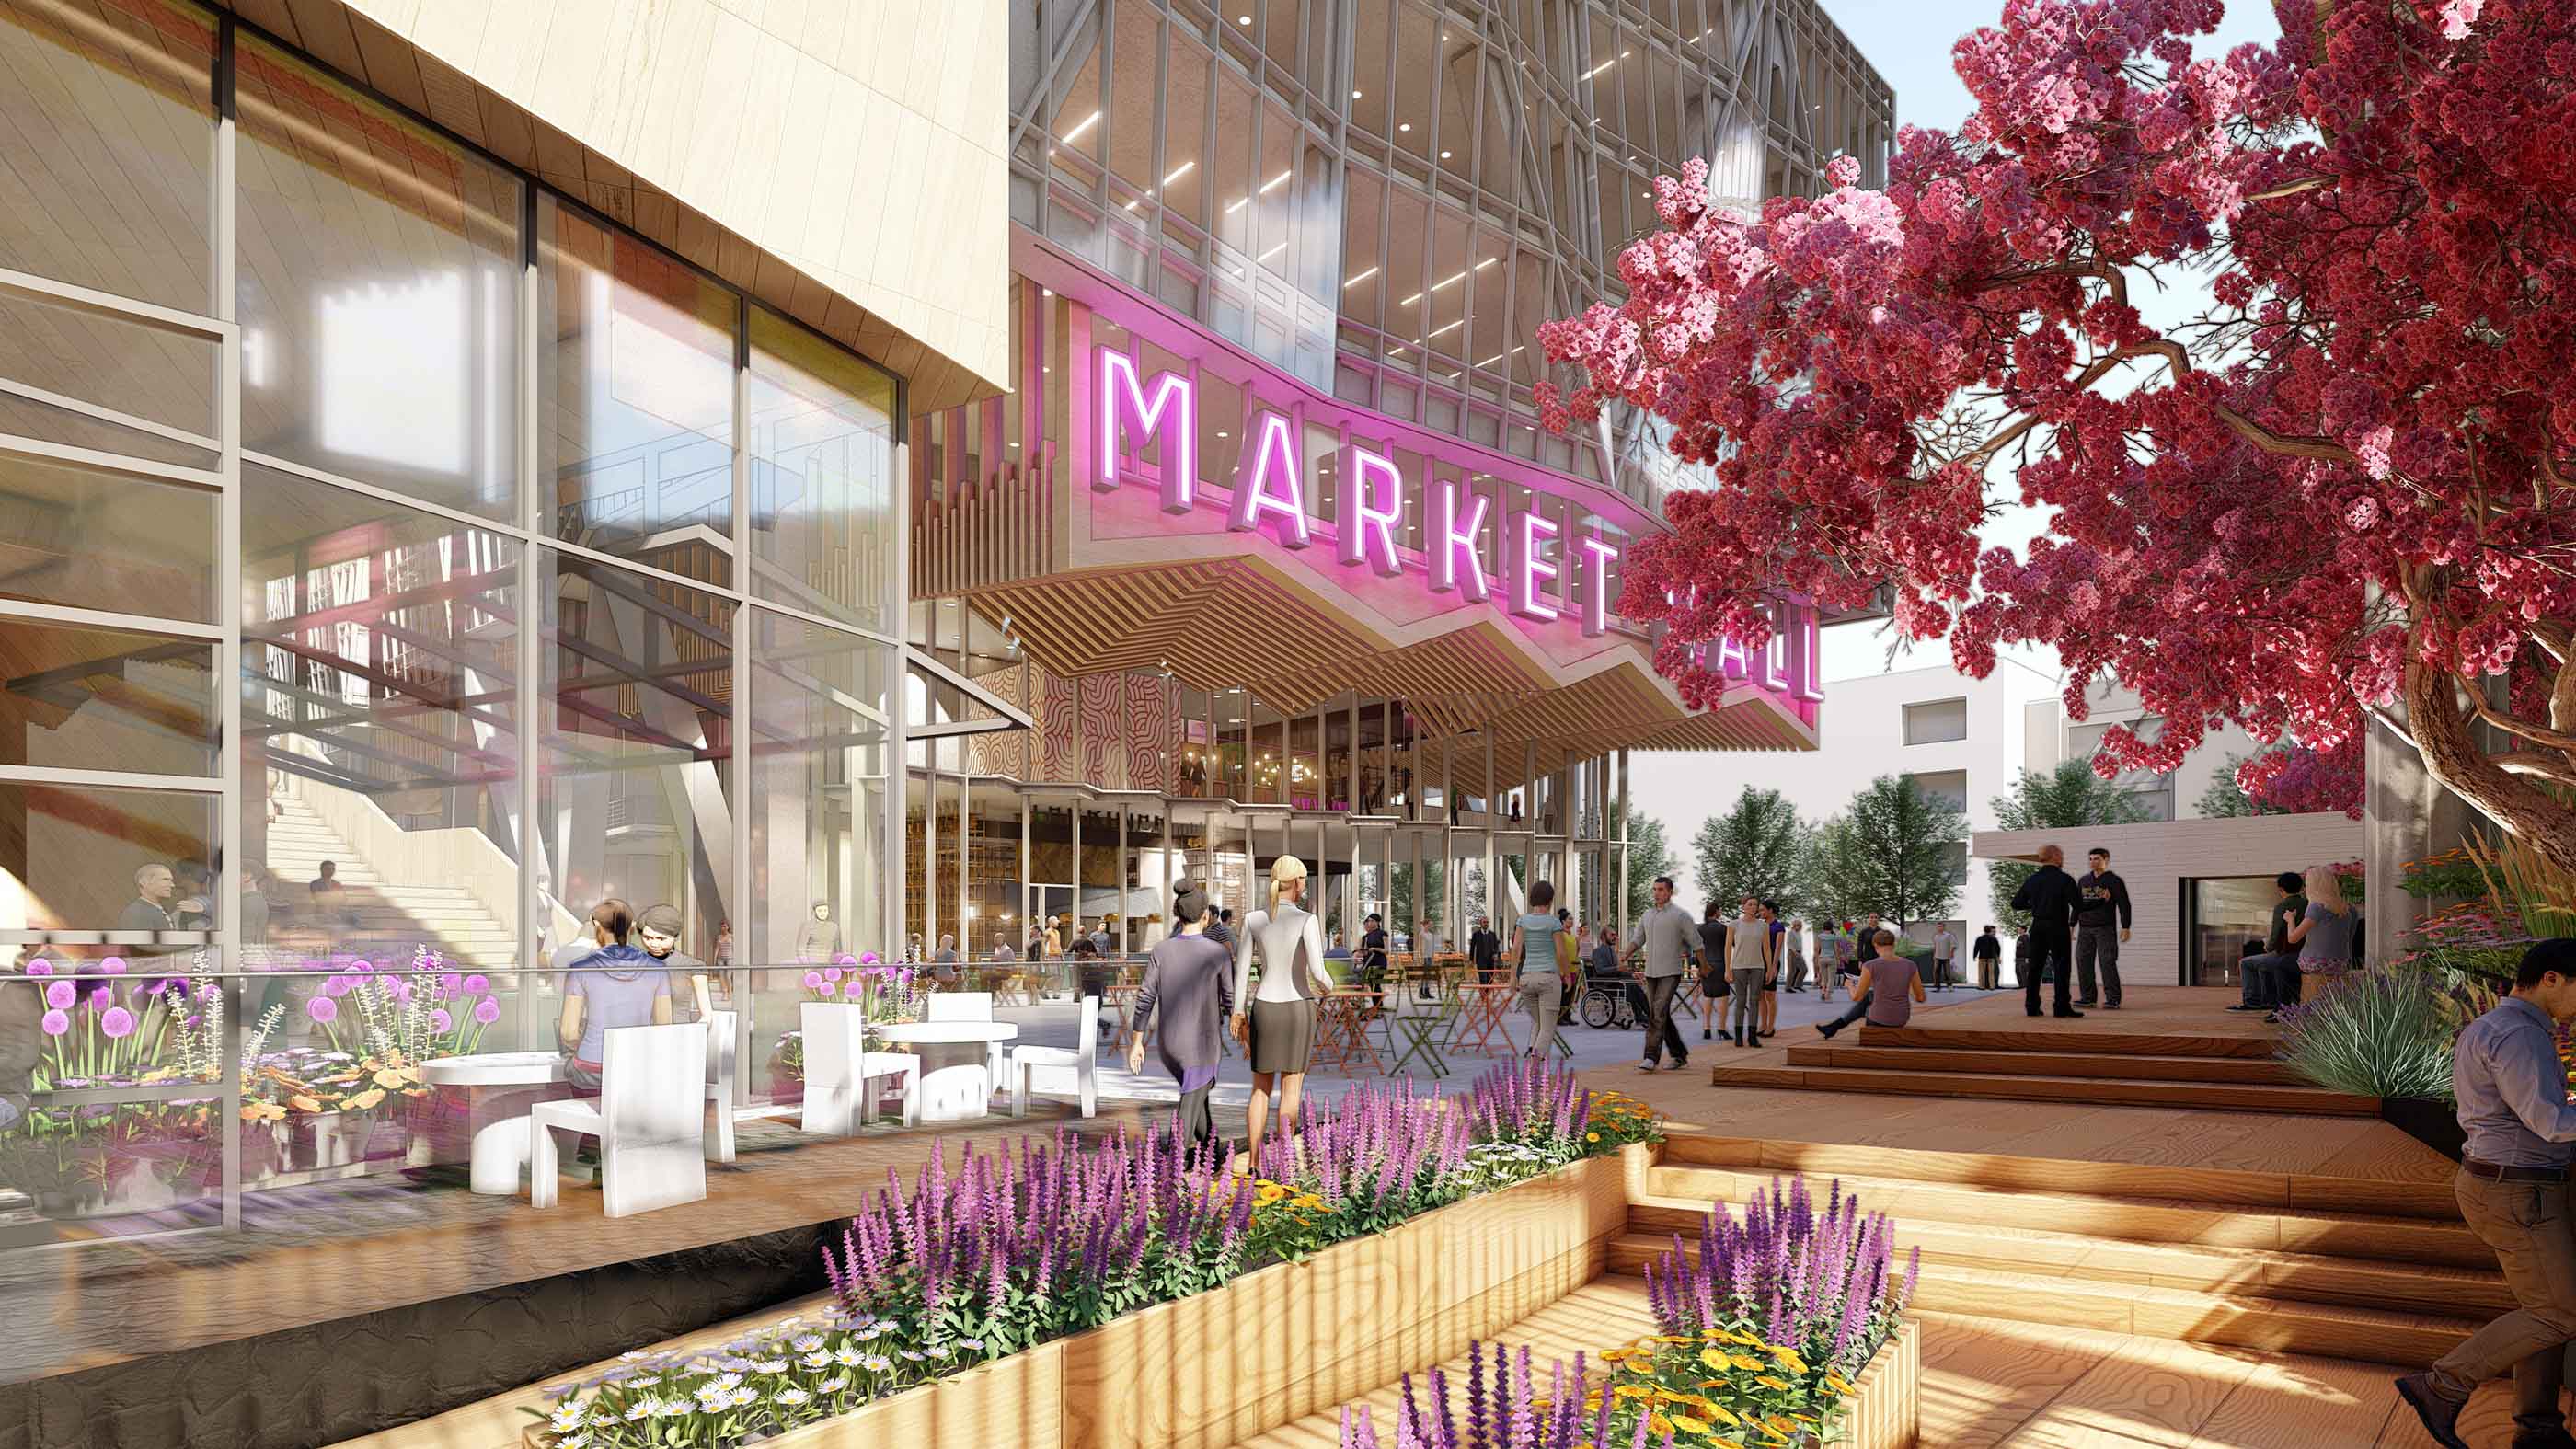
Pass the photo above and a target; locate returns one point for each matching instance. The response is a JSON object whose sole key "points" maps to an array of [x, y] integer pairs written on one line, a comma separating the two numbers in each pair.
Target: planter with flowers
{"points": [[76, 1151], [845, 1002], [1124, 1293], [1786, 1328]]}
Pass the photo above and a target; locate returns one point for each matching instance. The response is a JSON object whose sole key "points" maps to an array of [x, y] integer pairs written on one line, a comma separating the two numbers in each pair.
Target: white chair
{"points": [[969, 1006], [876, 1069], [1083, 1060], [649, 1117], [720, 1070]]}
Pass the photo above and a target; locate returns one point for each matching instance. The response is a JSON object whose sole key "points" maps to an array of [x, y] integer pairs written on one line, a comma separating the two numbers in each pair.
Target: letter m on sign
{"points": [[1126, 402]]}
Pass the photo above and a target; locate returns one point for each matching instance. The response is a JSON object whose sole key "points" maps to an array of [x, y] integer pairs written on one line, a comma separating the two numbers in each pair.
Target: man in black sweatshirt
{"points": [[2051, 898], [2105, 908]]}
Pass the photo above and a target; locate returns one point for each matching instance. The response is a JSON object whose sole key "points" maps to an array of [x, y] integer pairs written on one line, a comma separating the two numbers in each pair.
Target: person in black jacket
{"points": [[2051, 898], [2104, 908]]}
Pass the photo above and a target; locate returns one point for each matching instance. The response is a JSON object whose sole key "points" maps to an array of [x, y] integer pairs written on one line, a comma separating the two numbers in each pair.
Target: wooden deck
{"points": [[2167, 1047], [1990, 1383]]}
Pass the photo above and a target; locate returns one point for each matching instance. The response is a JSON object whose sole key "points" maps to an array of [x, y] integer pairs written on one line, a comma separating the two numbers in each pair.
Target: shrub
{"points": [[2374, 1034]]}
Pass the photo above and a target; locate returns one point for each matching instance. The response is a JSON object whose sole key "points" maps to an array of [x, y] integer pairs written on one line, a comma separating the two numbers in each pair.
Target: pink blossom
{"points": [[40, 967], [440, 1021], [813, 980], [477, 984], [451, 983], [488, 1010], [322, 1009], [61, 994], [56, 1022], [112, 966], [118, 1023], [854, 988]]}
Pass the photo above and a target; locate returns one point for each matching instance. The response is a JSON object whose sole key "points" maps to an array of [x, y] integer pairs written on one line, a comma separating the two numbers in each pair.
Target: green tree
{"points": [[1907, 847], [1829, 881], [1399, 896], [2064, 798], [1752, 849]]}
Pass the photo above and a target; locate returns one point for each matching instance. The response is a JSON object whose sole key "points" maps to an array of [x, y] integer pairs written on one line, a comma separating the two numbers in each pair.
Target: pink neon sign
{"points": [[1544, 575]]}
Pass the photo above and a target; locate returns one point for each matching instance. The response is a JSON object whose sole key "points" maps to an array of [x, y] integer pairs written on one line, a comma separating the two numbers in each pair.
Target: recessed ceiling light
{"points": [[1444, 155], [1404, 125], [1243, 20]]}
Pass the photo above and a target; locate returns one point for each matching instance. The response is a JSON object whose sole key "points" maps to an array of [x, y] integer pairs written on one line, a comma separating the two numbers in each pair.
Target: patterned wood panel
{"points": [[1057, 757], [1100, 713]]}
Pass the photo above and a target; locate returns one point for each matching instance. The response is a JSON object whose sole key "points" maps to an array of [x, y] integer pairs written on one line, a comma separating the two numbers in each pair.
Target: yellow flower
{"points": [[390, 1078], [1721, 1413], [1661, 1339], [1659, 1424], [262, 1112], [1837, 1383], [304, 1104], [367, 1098], [1714, 1359], [1768, 1382], [1688, 1425], [1633, 1391], [1591, 1136], [1788, 1358], [1747, 1361]]}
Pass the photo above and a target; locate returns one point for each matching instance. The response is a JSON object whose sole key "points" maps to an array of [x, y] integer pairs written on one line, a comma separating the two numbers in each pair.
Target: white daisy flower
{"points": [[846, 1356], [722, 1383], [833, 1385], [769, 1365], [742, 1398], [816, 1360], [877, 1363], [567, 1418], [638, 1409], [791, 1397], [808, 1342]]}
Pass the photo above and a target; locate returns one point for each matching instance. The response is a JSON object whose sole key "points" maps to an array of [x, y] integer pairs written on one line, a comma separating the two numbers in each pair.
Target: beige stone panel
{"points": [[798, 126]]}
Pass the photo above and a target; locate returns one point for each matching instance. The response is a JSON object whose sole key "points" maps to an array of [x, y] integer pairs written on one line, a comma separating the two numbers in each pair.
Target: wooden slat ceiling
{"points": [[1225, 623]]}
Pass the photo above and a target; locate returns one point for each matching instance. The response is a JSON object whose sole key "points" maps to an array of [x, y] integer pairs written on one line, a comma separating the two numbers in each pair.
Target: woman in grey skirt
{"points": [[1276, 1023]]}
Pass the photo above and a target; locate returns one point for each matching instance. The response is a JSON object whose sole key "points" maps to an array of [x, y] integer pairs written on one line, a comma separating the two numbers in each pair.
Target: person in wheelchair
{"points": [[1611, 997]]}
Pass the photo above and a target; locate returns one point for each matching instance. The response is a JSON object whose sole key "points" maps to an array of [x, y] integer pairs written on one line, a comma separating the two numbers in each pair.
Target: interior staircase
{"points": [[390, 919], [2356, 1268], [2107, 1059]]}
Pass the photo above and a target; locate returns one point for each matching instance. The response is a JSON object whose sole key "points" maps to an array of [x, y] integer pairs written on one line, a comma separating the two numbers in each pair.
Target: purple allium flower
{"points": [[102, 997], [477, 984], [854, 988], [322, 1009], [61, 995], [112, 966], [118, 1023], [440, 1021], [40, 967], [56, 1022], [488, 1010], [813, 980]]}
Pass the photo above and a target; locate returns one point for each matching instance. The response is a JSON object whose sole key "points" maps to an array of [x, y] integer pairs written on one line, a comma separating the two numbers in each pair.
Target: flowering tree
{"points": [[2344, 486]]}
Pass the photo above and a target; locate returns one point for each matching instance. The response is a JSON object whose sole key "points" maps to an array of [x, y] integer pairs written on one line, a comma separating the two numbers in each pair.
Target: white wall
{"points": [[2016, 721]]}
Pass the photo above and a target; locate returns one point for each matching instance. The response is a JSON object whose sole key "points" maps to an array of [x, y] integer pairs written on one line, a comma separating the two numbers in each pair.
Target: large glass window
{"points": [[94, 539], [637, 729], [379, 292], [823, 502], [106, 699], [819, 776], [380, 798], [635, 397]]}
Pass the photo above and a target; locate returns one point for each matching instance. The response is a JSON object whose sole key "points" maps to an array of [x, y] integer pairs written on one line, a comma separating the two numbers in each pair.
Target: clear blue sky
{"points": [[1909, 42]]}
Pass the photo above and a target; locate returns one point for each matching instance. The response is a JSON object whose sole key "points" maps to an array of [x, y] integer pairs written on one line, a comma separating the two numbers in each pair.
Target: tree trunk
{"points": [[2445, 737]]}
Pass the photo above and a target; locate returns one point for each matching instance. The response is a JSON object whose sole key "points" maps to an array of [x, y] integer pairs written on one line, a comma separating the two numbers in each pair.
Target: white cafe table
{"points": [[956, 1083], [500, 1087]]}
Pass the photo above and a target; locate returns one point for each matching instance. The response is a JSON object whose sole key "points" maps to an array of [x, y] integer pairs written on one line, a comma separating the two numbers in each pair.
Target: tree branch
{"points": [[2294, 188]]}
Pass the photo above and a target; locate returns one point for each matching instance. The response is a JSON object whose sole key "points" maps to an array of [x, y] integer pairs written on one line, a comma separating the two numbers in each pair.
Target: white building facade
{"points": [[1969, 740]]}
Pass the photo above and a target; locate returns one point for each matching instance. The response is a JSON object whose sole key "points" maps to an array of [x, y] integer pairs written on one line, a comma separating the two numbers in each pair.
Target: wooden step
{"points": [[1679, 1196], [2211, 1188], [2096, 1033], [2133, 1067], [2247, 1097], [2245, 1320]]}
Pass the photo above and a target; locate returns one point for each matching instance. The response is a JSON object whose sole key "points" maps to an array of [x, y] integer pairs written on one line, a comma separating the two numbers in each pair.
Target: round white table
{"points": [[500, 1087], [956, 1082]]}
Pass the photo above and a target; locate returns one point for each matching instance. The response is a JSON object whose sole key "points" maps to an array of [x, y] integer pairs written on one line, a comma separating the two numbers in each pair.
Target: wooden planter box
{"points": [[1887, 1411], [1275, 1345]]}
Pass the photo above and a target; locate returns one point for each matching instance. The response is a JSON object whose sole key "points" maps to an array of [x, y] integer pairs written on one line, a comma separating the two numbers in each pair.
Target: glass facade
{"points": [[312, 675], [1386, 200]]}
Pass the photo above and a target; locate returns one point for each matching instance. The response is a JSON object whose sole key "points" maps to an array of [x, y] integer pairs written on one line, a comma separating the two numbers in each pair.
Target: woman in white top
{"points": [[1276, 1023]]}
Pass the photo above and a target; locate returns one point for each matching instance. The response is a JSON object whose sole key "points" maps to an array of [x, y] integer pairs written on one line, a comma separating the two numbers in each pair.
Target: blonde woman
{"points": [[2324, 933], [1276, 1022]]}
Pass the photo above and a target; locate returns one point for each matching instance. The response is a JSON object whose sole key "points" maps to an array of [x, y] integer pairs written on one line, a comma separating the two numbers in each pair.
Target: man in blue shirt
{"points": [[2512, 1190]]}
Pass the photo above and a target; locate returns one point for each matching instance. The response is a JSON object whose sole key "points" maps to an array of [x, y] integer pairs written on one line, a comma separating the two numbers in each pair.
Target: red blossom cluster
{"points": [[2344, 487]]}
